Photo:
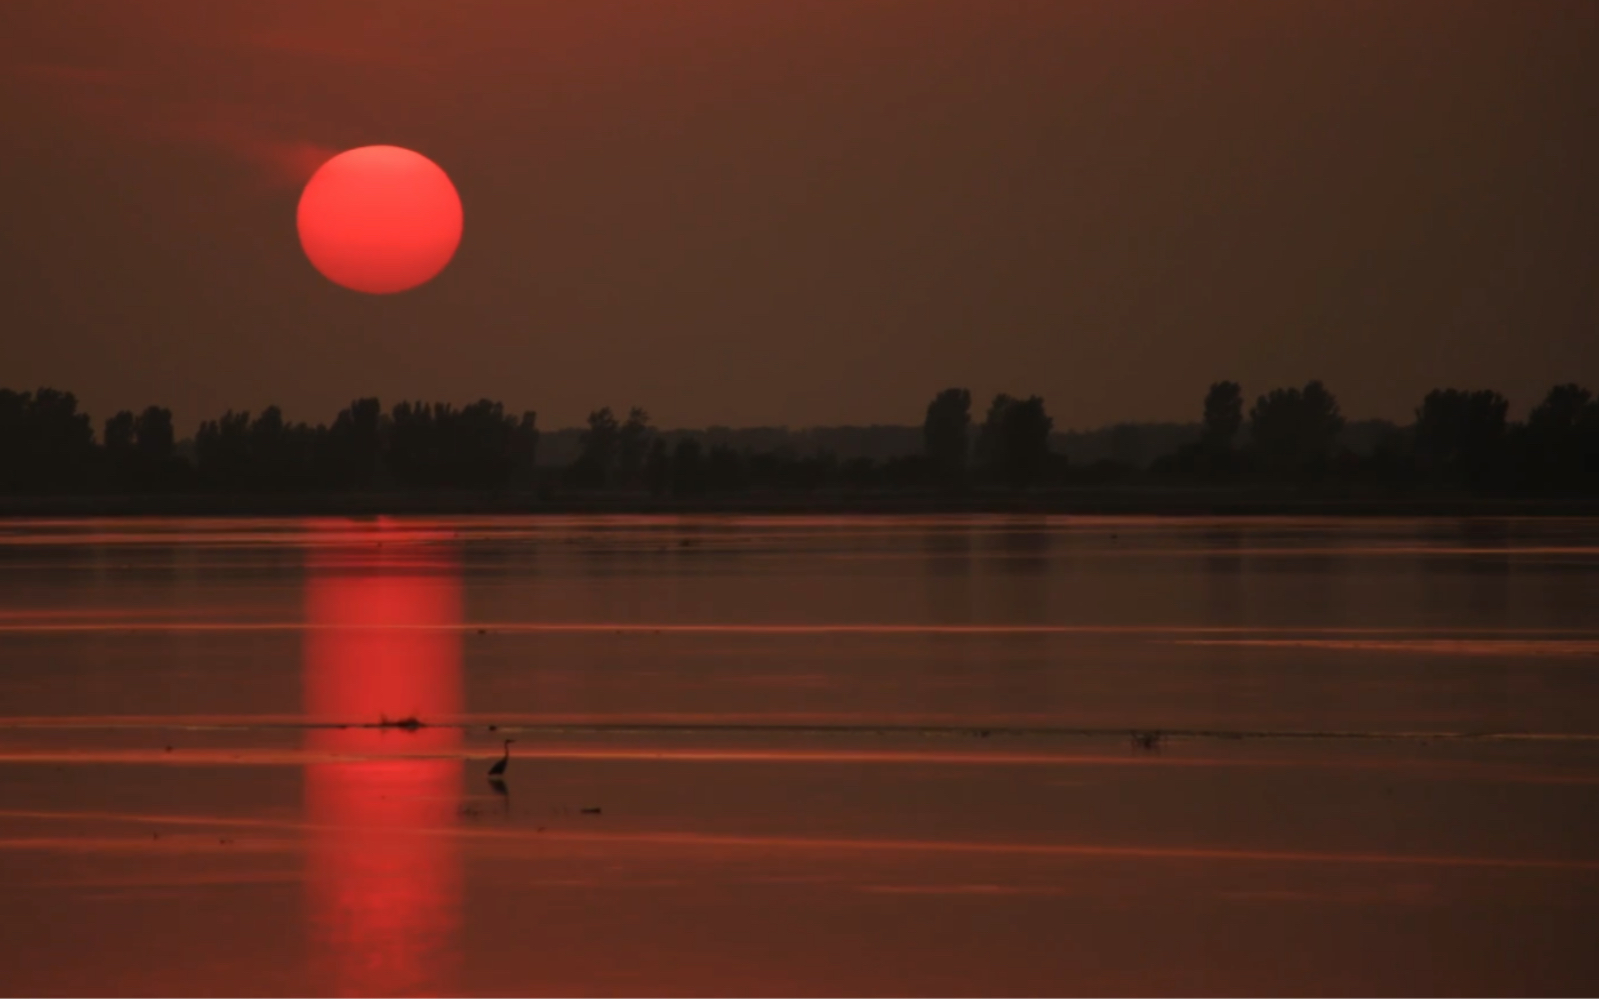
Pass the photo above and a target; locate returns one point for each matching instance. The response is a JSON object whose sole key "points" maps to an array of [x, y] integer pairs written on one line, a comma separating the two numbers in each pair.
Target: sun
{"points": [[380, 219]]}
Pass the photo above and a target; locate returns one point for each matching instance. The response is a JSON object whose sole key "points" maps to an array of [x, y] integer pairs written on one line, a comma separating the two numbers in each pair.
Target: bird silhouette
{"points": [[500, 764], [497, 785]]}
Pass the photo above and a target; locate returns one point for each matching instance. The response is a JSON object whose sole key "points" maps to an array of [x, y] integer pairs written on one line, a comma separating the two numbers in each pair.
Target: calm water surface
{"points": [[832, 755]]}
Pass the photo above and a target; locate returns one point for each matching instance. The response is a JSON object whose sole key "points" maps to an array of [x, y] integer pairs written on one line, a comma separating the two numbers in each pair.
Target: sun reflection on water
{"points": [[384, 886]]}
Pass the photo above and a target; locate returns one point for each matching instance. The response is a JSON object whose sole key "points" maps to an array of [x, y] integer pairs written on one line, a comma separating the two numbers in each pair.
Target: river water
{"points": [[829, 755]]}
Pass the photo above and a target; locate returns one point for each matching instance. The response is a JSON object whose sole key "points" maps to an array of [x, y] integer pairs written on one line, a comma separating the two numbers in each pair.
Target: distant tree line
{"points": [[1461, 441], [48, 446]]}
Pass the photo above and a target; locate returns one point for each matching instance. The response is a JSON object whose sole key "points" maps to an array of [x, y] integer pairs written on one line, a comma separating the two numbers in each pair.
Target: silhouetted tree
{"points": [[1560, 413], [138, 449], [118, 436], [154, 437], [414, 445], [596, 461], [353, 452], [479, 446], [946, 432], [990, 435], [1459, 435], [63, 440], [1211, 455], [476, 447], [482, 439], [1294, 430], [46, 445], [525, 446], [117, 440], [13, 437], [632, 440], [1560, 443], [282, 455], [222, 452], [1013, 443], [1224, 415]]}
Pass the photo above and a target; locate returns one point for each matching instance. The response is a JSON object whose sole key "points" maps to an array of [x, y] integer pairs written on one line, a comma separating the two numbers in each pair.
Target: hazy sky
{"points": [[809, 211]]}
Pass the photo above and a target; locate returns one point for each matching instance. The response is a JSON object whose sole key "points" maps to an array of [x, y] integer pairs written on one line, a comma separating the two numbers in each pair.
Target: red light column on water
{"points": [[384, 876], [380, 219]]}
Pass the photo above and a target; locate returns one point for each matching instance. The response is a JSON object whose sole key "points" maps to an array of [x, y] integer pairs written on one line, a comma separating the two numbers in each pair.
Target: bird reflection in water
{"points": [[384, 879], [497, 777]]}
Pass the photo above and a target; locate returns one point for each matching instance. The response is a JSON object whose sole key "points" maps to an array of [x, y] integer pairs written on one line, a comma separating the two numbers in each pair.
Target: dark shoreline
{"points": [[1153, 502]]}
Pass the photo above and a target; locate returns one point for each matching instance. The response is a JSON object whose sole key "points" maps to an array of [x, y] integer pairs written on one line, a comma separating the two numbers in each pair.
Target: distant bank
{"points": [[1171, 502], [1292, 452]]}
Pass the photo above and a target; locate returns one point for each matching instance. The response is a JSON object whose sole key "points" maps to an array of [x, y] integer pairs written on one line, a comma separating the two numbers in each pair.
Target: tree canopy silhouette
{"points": [[45, 443], [632, 444], [946, 432], [1560, 442], [1294, 430], [1224, 415], [595, 466], [1461, 442], [1013, 443], [1459, 434], [476, 447]]}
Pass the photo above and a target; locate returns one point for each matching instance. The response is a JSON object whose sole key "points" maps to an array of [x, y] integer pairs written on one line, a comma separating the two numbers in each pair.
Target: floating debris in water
{"points": [[1148, 740]]}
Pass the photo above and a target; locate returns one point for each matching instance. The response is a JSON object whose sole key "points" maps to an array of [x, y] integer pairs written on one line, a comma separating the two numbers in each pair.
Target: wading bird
{"points": [[499, 765]]}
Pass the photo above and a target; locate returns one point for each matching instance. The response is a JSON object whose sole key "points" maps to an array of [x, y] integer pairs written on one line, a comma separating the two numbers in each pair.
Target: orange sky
{"points": [[810, 211]]}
